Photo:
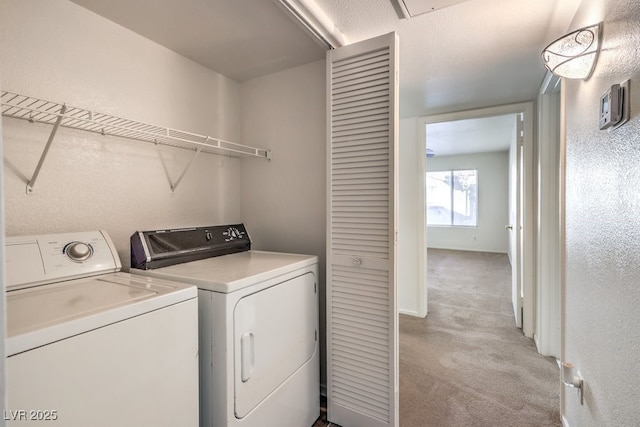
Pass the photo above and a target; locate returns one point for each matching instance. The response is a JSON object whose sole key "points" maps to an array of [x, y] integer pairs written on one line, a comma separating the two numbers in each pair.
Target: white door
{"points": [[362, 318], [515, 225], [275, 333]]}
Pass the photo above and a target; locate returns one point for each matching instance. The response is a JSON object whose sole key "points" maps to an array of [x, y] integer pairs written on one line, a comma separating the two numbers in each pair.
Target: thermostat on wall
{"points": [[614, 106]]}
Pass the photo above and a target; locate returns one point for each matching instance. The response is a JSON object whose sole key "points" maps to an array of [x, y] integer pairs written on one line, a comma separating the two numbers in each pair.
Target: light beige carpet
{"points": [[467, 364]]}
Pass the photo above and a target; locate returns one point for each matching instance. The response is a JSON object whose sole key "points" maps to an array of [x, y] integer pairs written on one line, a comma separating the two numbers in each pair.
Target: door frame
{"points": [[548, 273], [3, 311], [529, 202]]}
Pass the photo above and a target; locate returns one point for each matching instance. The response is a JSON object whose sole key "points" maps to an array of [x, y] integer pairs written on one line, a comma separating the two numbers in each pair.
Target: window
{"points": [[452, 198]]}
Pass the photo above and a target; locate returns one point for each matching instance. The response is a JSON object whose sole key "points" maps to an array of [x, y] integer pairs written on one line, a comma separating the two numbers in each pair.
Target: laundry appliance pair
{"points": [[258, 322]]}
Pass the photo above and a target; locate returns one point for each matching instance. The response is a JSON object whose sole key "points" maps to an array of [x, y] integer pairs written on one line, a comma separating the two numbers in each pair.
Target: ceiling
{"points": [[240, 39], [471, 54], [479, 135], [465, 55], [410, 8]]}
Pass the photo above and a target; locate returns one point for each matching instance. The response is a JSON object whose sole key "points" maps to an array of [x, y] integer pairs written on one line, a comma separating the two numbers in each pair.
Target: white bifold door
{"points": [[362, 318]]}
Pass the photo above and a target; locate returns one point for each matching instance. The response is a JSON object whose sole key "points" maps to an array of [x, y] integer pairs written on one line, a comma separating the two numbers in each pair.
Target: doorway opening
{"points": [[497, 144]]}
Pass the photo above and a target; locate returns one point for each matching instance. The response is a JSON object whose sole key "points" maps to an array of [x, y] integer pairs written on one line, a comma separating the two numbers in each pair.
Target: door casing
{"points": [[529, 203]]}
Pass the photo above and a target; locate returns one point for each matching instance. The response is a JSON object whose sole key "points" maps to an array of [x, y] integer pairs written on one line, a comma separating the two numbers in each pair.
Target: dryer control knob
{"points": [[78, 251]]}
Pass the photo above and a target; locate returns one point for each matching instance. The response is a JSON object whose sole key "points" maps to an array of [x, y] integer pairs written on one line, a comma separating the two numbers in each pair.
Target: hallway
{"points": [[467, 364]]}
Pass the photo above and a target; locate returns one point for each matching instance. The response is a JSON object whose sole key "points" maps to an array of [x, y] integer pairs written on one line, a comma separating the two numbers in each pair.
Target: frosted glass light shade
{"points": [[574, 56]]}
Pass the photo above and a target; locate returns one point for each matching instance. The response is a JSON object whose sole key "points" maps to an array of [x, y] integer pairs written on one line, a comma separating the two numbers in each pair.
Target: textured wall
{"points": [[602, 294], [62, 52], [493, 182]]}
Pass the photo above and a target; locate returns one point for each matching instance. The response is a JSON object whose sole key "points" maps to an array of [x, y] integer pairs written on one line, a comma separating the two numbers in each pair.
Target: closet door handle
{"points": [[247, 356]]}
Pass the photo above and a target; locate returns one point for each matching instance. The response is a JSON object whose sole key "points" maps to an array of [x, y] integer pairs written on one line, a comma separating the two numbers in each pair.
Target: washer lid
{"points": [[233, 272], [40, 315]]}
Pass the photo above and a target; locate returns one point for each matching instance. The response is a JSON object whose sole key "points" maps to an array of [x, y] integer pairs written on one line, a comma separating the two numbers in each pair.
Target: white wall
{"points": [[284, 201], [412, 297], [493, 182], [602, 292], [61, 52]]}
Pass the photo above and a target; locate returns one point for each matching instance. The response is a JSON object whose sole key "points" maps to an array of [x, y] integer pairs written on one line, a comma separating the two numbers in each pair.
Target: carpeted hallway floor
{"points": [[467, 364]]}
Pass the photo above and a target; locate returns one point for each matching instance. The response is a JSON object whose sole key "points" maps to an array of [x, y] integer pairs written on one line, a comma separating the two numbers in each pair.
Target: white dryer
{"points": [[90, 345], [258, 323]]}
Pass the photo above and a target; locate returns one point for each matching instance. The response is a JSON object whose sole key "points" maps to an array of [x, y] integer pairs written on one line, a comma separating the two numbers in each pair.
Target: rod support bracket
{"points": [[32, 182]]}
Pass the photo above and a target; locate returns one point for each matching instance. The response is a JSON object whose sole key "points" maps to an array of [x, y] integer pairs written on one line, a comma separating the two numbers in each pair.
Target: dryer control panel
{"points": [[49, 258], [161, 248]]}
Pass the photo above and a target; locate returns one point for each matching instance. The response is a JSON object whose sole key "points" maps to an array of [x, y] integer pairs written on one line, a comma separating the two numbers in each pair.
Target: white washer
{"points": [[258, 323], [89, 345]]}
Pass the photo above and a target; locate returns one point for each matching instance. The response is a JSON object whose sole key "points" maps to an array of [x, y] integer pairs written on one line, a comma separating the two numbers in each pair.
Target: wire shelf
{"points": [[40, 111]]}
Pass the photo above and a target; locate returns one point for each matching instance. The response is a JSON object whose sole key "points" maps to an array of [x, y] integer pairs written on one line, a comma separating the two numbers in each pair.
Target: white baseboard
{"points": [[409, 312], [491, 251]]}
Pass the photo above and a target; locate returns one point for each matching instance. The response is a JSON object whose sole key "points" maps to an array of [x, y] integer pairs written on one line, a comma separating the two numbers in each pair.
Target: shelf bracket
{"points": [[174, 185], [43, 156]]}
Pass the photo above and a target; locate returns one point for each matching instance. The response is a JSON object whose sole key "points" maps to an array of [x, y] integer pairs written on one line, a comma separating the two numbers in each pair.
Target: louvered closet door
{"points": [[362, 336]]}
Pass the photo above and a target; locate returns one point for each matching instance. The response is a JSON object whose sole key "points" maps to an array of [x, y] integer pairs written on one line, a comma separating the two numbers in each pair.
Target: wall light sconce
{"points": [[430, 153], [574, 55]]}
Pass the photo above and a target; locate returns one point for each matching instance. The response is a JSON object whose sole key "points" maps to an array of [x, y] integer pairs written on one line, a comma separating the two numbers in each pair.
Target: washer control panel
{"points": [[36, 260], [78, 251]]}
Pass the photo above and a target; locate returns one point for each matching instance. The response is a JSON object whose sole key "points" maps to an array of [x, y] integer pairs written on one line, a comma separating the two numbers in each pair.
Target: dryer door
{"points": [[274, 334]]}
